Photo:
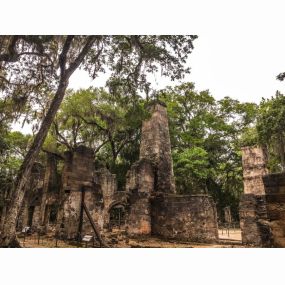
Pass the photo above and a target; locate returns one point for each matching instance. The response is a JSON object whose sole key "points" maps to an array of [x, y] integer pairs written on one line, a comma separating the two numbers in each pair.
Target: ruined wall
{"points": [[154, 207], [77, 173], [140, 185], [107, 184], [51, 188], [254, 221], [275, 205], [32, 198], [95, 206], [185, 217], [155, 146], [100, 192], [78, 169], [149, 200], [141, 176], [253, 214], [42, 192]]}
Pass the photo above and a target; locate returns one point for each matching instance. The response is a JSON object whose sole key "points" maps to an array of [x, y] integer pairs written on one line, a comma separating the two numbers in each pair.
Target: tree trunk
{"points": [[8, 238]]}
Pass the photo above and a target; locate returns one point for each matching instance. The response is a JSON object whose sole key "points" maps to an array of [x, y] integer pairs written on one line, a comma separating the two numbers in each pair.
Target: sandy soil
{"points": [[228, 239]]}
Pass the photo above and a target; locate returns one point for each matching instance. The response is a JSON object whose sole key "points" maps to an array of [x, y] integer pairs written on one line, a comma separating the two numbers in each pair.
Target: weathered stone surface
{"points": [[173, 216], [140, 184], [77, 174], [155, 147], [78, 169], [253, 213], [254, 221], [30, 214], [139, 219], [254, 167], [262, 207], [275, 204], [100, 194], [187, 217], [50, 193], [141, 176]]}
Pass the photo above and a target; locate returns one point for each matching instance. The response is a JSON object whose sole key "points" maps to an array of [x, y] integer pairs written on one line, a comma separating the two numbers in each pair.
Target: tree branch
{"points": [[100, 146], [63, 55], [91, 123], [89, 42], [12, 55], [58, 134]]}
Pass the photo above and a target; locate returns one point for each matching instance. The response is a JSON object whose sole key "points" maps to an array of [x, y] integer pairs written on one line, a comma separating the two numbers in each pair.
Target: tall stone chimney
{"points": [[156, 147], [254, 167], [252, 207]]}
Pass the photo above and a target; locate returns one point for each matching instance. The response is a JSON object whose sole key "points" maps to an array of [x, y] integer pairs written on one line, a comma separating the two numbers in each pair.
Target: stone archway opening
{"points": [[117, 214]]}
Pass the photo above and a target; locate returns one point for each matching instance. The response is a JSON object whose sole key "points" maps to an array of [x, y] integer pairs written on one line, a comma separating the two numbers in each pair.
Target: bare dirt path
{"points": [[227, 239]]}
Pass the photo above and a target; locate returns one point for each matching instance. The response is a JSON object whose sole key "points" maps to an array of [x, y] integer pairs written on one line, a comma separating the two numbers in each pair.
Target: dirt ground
{"points": [[227, 239]]}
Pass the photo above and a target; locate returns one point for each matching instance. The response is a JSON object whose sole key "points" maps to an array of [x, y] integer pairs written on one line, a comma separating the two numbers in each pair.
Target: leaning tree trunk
{"points": [[8, 238], [9, 229]]}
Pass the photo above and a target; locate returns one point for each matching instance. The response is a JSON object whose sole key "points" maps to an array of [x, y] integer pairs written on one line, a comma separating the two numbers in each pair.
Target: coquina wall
{"points": [[253, 213], [262, 207], [187, 217], [275, 206], [154, 206], [98, 188]]}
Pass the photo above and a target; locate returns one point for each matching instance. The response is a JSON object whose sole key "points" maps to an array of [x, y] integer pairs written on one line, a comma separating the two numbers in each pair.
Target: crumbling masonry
{"points": [[149, 204], [262, 206], [155, 207]]}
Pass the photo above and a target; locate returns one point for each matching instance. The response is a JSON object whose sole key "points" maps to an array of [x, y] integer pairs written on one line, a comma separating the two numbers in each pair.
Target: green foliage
{"points": [[271, 130], [109, 124], [191, 170], [249, 137], [206, 137], [13, 149]]}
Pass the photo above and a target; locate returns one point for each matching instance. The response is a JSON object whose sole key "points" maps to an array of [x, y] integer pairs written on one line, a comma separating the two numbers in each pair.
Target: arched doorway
{"points": [[117, 214]]}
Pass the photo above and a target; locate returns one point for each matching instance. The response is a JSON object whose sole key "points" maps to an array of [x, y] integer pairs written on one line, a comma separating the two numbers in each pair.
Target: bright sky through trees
{"points": [[226, 67]]}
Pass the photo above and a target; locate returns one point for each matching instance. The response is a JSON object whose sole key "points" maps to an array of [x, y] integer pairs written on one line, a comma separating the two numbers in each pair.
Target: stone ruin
{"points": [[70, 202], [155, 208], [262, 206]]}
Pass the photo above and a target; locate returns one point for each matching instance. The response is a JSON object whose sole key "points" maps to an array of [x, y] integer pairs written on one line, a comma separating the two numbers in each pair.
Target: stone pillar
{"points": [[262, 207], [253, 214], [156, 147], [107, 184], [254, 167], [140, 183], [77, 173]]}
